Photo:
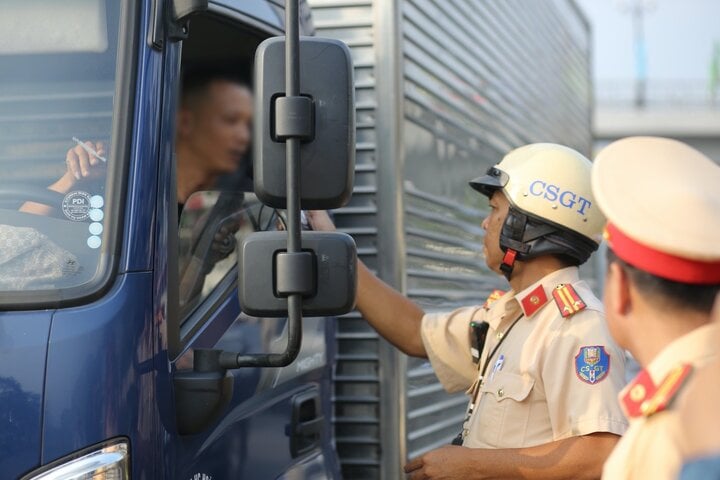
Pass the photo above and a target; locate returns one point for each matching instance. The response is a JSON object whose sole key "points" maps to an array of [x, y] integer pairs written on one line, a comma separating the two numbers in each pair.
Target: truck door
{"points": [[278, 421]]}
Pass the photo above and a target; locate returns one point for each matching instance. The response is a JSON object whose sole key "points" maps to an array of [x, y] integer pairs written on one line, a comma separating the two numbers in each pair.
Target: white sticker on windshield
{"points": [[96, 214], [94, 242], [95, 228], [97, 201], [76, 205]]}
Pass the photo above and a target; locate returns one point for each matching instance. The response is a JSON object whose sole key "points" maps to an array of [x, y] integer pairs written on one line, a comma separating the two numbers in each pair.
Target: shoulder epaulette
{"points": [[494, 296], [646, 399], [567, 300], [666, 391]]}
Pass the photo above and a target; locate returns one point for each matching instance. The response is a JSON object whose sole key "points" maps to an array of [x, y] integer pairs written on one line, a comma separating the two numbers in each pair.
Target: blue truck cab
{"points": [[98, 316]]}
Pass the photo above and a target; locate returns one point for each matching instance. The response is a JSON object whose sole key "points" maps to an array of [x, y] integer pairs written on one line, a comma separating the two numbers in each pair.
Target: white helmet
{"points": [[552, 210]]}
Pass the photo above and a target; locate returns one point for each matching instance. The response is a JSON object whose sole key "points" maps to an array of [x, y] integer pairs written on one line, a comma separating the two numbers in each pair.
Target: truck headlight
{"points": [[108, 462]]}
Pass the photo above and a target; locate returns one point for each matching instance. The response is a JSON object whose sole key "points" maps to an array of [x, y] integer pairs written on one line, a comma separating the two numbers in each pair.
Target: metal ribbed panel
{"points": [[443, 89], [480, 78], [357, 380]]}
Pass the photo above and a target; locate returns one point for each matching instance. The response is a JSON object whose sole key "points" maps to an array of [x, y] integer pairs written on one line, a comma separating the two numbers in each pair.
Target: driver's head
{"points": [[214, 120]]}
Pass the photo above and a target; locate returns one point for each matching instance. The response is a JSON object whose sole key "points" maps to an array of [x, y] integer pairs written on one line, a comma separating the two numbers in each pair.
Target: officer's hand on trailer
{"points": [[444, 463], [320, 220]]}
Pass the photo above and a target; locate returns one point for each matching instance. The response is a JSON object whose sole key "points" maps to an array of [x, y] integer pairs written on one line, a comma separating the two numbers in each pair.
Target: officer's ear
{"points": [[618, 298]]}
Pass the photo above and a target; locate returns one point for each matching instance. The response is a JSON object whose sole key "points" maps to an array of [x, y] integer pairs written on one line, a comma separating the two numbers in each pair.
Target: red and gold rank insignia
{"points": [[494, 296], [643, 397], [567, 300]]}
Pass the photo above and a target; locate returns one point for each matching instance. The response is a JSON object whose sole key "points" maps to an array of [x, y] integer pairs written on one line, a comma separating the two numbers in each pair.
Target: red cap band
{"points": [[659, 263]]}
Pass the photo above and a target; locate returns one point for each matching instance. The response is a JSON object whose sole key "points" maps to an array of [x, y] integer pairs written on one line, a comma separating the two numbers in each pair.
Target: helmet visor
{"points": [[494, 179]]}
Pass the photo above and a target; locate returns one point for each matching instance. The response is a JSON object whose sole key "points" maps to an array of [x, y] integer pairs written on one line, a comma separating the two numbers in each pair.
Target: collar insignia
{"points": [[643, 398], [494, 296], [533, 301]]}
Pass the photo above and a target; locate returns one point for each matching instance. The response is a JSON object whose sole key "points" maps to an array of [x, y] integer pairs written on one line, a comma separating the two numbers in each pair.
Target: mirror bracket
{"points": [[294, 118], [295, 273]]}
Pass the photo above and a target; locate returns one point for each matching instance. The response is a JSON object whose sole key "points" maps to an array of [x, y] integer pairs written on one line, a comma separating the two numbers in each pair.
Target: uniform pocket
{"points": [[506, 385], [505, 409]]}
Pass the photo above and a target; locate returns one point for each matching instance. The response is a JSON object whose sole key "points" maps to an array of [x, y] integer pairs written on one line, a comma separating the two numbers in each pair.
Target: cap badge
{"points": [[592, 364]]}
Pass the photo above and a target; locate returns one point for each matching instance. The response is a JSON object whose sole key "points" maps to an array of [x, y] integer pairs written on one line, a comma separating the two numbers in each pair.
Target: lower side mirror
{"points": [[332, 279]]}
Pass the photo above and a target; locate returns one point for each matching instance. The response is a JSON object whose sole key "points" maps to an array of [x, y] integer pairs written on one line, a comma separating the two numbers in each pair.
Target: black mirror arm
{"points": [[294, 256]]}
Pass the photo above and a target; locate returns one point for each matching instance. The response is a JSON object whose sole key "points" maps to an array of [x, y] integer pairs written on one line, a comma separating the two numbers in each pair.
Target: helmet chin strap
{"points": [[508, 263]]}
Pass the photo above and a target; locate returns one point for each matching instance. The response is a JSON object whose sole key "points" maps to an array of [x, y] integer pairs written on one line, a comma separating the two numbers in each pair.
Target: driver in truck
{"points": [[214, 123], [213, 133]]}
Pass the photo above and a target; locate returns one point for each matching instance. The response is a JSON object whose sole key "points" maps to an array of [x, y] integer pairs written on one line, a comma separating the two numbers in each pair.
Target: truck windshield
{"points": [[57, 97]]}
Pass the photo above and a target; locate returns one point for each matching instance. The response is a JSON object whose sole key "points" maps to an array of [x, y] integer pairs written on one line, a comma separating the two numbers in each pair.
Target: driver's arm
{"points": [[80, 165]]}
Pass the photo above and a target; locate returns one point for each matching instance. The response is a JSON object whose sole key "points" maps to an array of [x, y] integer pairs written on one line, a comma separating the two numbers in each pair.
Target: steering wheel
{"points": [[31, 193]]}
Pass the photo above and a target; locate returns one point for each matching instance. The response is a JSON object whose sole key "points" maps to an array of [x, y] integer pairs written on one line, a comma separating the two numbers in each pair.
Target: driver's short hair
{"points": [[195, 83]]}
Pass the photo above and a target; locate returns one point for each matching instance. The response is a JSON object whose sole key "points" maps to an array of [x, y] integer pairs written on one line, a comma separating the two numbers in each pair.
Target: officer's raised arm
{"points": [[393, 315]]}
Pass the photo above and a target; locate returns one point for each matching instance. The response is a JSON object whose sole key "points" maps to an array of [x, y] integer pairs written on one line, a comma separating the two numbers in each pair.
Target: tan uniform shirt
{"points": [[650, 447], [541, 384]]}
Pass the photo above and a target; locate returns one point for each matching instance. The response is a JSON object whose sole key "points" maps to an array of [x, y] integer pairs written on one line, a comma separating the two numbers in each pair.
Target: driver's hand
{"points": [[81, 164], [223, 243]]}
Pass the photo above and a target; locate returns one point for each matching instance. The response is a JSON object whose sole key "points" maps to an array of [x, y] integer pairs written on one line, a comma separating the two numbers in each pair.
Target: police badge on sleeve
{"points": [[592, 364]]}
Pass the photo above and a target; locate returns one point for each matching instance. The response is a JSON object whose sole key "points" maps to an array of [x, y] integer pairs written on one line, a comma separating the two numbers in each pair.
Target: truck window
{"points": [[57, 104], [216, 206], [212, 224]]}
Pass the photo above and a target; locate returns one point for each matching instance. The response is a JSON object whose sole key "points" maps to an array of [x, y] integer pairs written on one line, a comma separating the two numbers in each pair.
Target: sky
{"points": [[679, 38]]}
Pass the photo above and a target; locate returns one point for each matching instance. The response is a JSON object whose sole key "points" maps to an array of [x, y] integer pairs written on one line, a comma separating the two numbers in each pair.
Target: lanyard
{"points": [[497, 346], [458, 440]]}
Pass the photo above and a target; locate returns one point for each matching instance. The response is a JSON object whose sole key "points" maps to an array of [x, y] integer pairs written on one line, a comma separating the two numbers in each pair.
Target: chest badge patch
{"points": [[592, 364]]}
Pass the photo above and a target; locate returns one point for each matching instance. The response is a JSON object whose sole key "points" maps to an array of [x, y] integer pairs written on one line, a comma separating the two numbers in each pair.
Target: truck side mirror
{"points": [[331, 271], [323, 116]]}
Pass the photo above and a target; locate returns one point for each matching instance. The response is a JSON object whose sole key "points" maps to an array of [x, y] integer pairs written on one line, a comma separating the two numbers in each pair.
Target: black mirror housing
{"points": [[323, 116], [331, 291]]}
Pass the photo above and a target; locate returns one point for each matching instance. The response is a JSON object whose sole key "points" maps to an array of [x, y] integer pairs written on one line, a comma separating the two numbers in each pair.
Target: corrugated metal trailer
{"points": [[443, 88]]}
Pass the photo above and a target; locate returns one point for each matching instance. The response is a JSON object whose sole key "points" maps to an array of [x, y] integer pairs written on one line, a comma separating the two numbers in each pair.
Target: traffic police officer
{"points": [[661, 200], [543, 386], [699, 415]]}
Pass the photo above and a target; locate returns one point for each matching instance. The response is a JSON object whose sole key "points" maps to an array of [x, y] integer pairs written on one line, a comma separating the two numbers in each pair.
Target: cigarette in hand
{"points": [[88, 149]]}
